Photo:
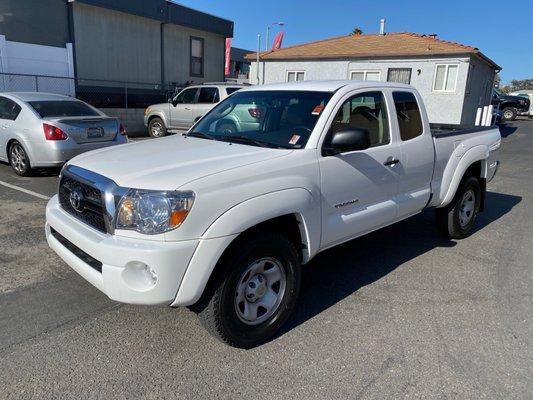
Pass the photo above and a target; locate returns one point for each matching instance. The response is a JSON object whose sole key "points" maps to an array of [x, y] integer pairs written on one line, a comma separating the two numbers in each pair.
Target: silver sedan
{"points": [[46, 130]]}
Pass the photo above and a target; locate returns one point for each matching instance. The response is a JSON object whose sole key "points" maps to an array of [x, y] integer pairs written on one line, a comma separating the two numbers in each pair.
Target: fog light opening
{"points": [[139, 276]]}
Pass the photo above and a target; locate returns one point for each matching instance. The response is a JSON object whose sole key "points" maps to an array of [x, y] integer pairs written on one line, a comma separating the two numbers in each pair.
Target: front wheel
{"points": [[458, 218], [157, 128], [509, 114], [256, 294]]}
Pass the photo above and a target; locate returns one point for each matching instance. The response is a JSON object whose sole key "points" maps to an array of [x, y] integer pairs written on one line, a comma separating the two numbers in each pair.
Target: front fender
{"points": [[456, 168], [158, 113], [245, 215]]}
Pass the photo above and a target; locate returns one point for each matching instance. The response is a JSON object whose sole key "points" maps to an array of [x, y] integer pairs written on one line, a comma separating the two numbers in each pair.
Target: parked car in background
{"points": [[510, 105], [46, 130], [527, 94], [222, 221], [187, 107]]}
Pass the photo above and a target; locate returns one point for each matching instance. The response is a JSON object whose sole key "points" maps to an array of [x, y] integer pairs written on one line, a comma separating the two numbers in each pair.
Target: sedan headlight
{"points": [[152, 212]]}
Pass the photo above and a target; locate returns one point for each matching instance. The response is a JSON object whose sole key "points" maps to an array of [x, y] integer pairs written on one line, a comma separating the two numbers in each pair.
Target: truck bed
{"points": [[451, 143], [442, 130]]}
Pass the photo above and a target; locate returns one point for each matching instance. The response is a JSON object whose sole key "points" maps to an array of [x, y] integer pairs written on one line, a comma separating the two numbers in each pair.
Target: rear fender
{"points": [[456, 168]]}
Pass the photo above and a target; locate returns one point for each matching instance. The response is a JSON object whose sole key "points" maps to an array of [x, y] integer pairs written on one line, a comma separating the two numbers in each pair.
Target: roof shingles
{"points": [[362, 46]]}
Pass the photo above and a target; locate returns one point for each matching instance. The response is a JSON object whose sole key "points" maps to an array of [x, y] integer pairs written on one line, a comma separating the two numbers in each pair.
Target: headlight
{"points": [[152, 212]]}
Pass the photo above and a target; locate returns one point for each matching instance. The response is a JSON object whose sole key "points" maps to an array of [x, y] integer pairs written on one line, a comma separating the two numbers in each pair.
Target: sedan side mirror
{"points": [[346, 140]]}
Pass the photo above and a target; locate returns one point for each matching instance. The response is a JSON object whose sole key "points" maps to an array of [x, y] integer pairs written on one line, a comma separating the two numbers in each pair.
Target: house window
{"points": [[445, 78], [365, 75], [197, 56], [399, 75], [293, 76]]}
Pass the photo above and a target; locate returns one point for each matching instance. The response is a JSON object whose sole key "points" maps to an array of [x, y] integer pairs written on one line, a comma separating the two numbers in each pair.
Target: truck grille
{"points": [[83, 202]]}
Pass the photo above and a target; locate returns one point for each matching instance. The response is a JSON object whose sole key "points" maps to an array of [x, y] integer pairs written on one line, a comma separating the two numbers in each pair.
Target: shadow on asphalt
{"points": [[339, 272], [507, 130]]}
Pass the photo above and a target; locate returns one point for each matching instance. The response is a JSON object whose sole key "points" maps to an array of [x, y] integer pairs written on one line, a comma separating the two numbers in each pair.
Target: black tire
{"points": [[452, 221], [218, 310], [157, 128], [509, 114], [19, 159]]}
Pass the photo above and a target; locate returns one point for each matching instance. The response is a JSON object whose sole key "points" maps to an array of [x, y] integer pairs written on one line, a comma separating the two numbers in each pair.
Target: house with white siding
{"points": [[454, 79]]}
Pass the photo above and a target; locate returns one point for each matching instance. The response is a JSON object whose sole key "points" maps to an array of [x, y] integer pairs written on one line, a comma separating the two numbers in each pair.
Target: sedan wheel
{"points": [[19, 159]]}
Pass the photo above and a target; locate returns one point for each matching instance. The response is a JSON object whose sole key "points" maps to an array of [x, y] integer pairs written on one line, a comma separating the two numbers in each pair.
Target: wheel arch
{"points": [[12, 140], [473, 163], [300, 225]]}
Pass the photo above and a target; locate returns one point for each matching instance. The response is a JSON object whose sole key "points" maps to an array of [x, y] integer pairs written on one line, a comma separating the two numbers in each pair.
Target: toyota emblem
{"points": [[76, 199]]}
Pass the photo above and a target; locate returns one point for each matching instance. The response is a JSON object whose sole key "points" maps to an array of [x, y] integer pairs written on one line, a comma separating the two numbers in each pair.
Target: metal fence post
{"points": [[126, 93], [36, 83]]}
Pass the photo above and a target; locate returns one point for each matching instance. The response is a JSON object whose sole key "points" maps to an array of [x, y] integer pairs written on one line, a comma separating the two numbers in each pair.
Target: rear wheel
{"points": [[457, 219], [509, 114], [19, 160], [256, 294], [157, 128]]}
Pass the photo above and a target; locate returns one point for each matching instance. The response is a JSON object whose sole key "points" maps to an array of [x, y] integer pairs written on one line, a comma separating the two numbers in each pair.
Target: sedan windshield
{"points": [[62, 108], [282, 119]]}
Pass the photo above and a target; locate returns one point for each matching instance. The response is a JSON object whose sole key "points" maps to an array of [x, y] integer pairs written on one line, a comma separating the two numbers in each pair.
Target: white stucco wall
{"points": [[441, 107]]}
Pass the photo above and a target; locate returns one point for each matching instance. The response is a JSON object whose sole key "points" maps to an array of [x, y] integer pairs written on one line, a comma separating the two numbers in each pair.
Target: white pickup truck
{"points": [[222, 219]]}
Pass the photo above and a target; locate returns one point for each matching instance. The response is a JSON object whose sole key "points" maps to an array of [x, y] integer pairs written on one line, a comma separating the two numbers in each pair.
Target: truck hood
{"points": [[169, 163]]}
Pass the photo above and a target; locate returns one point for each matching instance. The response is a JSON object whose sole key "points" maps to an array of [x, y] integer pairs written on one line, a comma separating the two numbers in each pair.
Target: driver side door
{"points": [[359, 187], [181, 111]]}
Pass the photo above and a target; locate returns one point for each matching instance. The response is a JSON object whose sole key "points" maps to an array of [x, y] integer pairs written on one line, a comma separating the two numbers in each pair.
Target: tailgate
{"points": [[88, 129]]}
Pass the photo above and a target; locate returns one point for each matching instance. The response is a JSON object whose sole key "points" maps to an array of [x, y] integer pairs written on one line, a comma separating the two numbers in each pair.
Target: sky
{"points": [[503, 34]]}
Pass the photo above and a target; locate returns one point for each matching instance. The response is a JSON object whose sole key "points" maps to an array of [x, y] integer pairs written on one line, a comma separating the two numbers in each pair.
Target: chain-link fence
{"points": [[125, 100], [99, 93], [37, 83]]}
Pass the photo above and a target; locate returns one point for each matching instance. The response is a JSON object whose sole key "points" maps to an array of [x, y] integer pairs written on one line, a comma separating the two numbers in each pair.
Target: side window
{"points": [[409, 119], [365, 111], [9, 109], [208, 95], [187, 96]]}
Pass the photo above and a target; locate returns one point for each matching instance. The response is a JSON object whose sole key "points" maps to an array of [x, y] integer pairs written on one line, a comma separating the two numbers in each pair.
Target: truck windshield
{"points": [[280, 119], [62, 108]]}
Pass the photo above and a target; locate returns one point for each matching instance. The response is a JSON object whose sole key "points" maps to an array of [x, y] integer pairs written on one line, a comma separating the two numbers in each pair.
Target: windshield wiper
{"points": [[247, 140], [200, 135]]}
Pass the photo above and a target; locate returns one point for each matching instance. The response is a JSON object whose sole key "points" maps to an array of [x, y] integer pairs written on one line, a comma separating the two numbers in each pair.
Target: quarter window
{"points": [[399, 75], [9, 109], [445, 78], [408, 113], [208, 95], [365, 111], [365, 75], [293, 76], [197, 56]]}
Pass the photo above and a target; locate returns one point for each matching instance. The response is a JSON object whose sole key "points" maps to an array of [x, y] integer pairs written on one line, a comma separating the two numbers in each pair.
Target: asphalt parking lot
{"points": [[397, 314]]}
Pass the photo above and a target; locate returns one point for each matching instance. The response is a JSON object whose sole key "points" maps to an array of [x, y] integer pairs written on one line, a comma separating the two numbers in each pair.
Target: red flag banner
{"points": [[277, 41], [227, 58]]}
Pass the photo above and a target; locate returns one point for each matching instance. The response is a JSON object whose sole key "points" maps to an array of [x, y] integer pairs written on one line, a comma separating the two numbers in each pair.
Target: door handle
{"points": [[5, 126], [391, 162], [187, 108]]}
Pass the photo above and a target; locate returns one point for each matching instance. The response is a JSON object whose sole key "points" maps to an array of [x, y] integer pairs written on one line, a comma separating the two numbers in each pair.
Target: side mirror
{"points": [[346, 140]]}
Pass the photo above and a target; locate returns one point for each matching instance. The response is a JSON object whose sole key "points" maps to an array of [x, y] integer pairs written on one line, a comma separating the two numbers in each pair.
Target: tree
{"points": [[356, 31], [516, 85]]}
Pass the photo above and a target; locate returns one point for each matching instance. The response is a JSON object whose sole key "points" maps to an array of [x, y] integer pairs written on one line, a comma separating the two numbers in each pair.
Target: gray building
{"points": [[151, 42], [453, 79]]}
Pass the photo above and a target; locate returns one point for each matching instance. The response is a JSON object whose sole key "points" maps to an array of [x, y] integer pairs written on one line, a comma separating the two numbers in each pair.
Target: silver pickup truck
{"points": [[187, 107]]}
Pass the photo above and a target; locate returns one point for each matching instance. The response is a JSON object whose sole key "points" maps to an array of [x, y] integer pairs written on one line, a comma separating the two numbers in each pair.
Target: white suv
{"points": [[187, 107]]}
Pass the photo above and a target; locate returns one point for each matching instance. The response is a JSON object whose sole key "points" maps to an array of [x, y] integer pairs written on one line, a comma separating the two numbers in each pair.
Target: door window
{"points": [[365, 111], [409, 119], [187, 96], [208, 95], [9, 109]]}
